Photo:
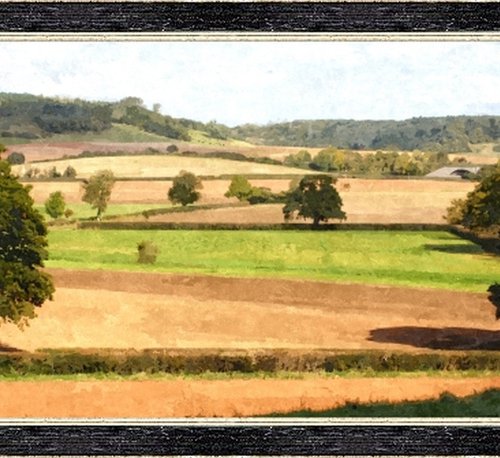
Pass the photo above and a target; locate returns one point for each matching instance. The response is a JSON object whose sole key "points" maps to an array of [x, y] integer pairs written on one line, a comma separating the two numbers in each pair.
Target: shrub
{"points": [[16, 158], [68, 213], [148, 252], [55, 205], [70, 172]]}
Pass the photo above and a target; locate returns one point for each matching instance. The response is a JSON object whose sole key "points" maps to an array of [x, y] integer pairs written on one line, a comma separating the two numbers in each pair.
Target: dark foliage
{"points": [[23, 249]]}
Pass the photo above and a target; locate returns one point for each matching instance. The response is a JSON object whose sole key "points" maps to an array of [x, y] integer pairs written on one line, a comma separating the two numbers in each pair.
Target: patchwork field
{"points": [[369, 201], [131, 142], [144, 166]]}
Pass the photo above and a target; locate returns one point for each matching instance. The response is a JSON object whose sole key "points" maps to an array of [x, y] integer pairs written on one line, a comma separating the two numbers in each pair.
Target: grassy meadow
{"points": [[85, 211], [434, 259]]}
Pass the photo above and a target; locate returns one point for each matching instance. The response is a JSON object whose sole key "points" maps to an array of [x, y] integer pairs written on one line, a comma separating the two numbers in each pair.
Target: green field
{"points": [[434, 259], [85, 211]]}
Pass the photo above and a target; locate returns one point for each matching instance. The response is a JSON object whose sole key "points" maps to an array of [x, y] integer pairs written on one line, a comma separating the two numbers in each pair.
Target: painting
{"points": [[249, 229]]}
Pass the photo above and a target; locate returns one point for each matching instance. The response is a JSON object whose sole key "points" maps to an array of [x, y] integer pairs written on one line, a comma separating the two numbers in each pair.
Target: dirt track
{"points": [[222, 398], [141, 310]]}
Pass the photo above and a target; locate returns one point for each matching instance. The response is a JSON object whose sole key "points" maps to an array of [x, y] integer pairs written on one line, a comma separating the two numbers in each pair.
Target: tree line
{"points": [[448, 134], [379, 164], [29, 116]]}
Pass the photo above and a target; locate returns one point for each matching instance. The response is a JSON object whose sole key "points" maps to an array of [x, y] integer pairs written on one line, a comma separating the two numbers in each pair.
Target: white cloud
{"points": [[238, 82]]}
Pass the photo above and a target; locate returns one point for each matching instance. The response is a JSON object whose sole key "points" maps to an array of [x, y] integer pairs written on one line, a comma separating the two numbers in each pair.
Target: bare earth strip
{"points": [[222, 398], [103, 309]]}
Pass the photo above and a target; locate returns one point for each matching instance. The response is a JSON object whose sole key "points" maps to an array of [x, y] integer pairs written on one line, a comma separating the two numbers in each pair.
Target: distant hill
{"points": [[26, 117], [31, 117], [445, 134]]}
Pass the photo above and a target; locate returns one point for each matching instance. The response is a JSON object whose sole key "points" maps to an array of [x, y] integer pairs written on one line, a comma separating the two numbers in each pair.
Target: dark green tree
{"points": [[184, 189], [481, 210], [16, 158], [55, 204], [97, 190], [316, 198], [23, 249]]}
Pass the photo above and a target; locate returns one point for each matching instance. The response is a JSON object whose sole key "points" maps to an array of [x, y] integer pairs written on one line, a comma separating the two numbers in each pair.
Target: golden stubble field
{"points": [[365, 201]]}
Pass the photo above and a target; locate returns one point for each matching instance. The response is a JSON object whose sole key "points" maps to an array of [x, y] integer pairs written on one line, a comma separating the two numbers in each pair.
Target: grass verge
{"points": [[486, 404]]}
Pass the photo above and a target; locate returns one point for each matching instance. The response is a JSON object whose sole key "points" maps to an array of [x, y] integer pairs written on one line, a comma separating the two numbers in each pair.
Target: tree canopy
{"points": [[481, 209], [239, 187], [315, 198], [184, 189], [97, 190], [23, 249]]}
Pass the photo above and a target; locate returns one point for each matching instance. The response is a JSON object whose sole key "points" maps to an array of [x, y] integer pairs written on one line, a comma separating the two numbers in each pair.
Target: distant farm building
{"points": [[453, 172]]}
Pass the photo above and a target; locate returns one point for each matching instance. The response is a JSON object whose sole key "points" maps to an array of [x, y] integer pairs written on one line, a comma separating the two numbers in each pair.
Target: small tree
{"points": [[183, 190], [70, 172], [172, 148], [16, 158], [23, 249], [240, 188], [55, 204], [316, 198], [148, 252], [97, 190]]}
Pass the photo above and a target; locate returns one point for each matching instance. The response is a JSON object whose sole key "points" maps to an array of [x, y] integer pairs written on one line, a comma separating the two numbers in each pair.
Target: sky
{"points": [[236, 82]]}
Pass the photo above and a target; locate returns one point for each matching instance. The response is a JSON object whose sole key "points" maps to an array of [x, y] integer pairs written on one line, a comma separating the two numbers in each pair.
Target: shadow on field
{"points": [[454, 248], [4, 348], [439, 338], [494, 297]]}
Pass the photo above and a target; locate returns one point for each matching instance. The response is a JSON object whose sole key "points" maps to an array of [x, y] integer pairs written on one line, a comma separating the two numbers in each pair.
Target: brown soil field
{"points": [[104, 309], [221, 398], [373, 201]]}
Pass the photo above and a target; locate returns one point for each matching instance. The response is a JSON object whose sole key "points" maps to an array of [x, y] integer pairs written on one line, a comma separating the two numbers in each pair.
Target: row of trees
{"points": [[378, 164], [451, 134]]}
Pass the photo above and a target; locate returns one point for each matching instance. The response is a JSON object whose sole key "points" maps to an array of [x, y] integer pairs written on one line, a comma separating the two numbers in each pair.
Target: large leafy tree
{"points": [[184, 189], [97, 190], [23, 249], [315, 197], [481, 208]]}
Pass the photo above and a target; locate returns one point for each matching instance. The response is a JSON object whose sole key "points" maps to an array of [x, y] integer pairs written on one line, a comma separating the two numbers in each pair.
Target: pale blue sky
{"points": [[261, 82]]}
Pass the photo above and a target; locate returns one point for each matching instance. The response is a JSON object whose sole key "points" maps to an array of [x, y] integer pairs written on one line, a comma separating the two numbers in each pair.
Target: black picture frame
{"points": [[250, 437]]}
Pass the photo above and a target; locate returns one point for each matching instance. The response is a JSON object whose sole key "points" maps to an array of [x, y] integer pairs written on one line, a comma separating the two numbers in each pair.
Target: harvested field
{"points": [[153, 166], [365, 201], [221, 398], [153, 192], [102, 309]]}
